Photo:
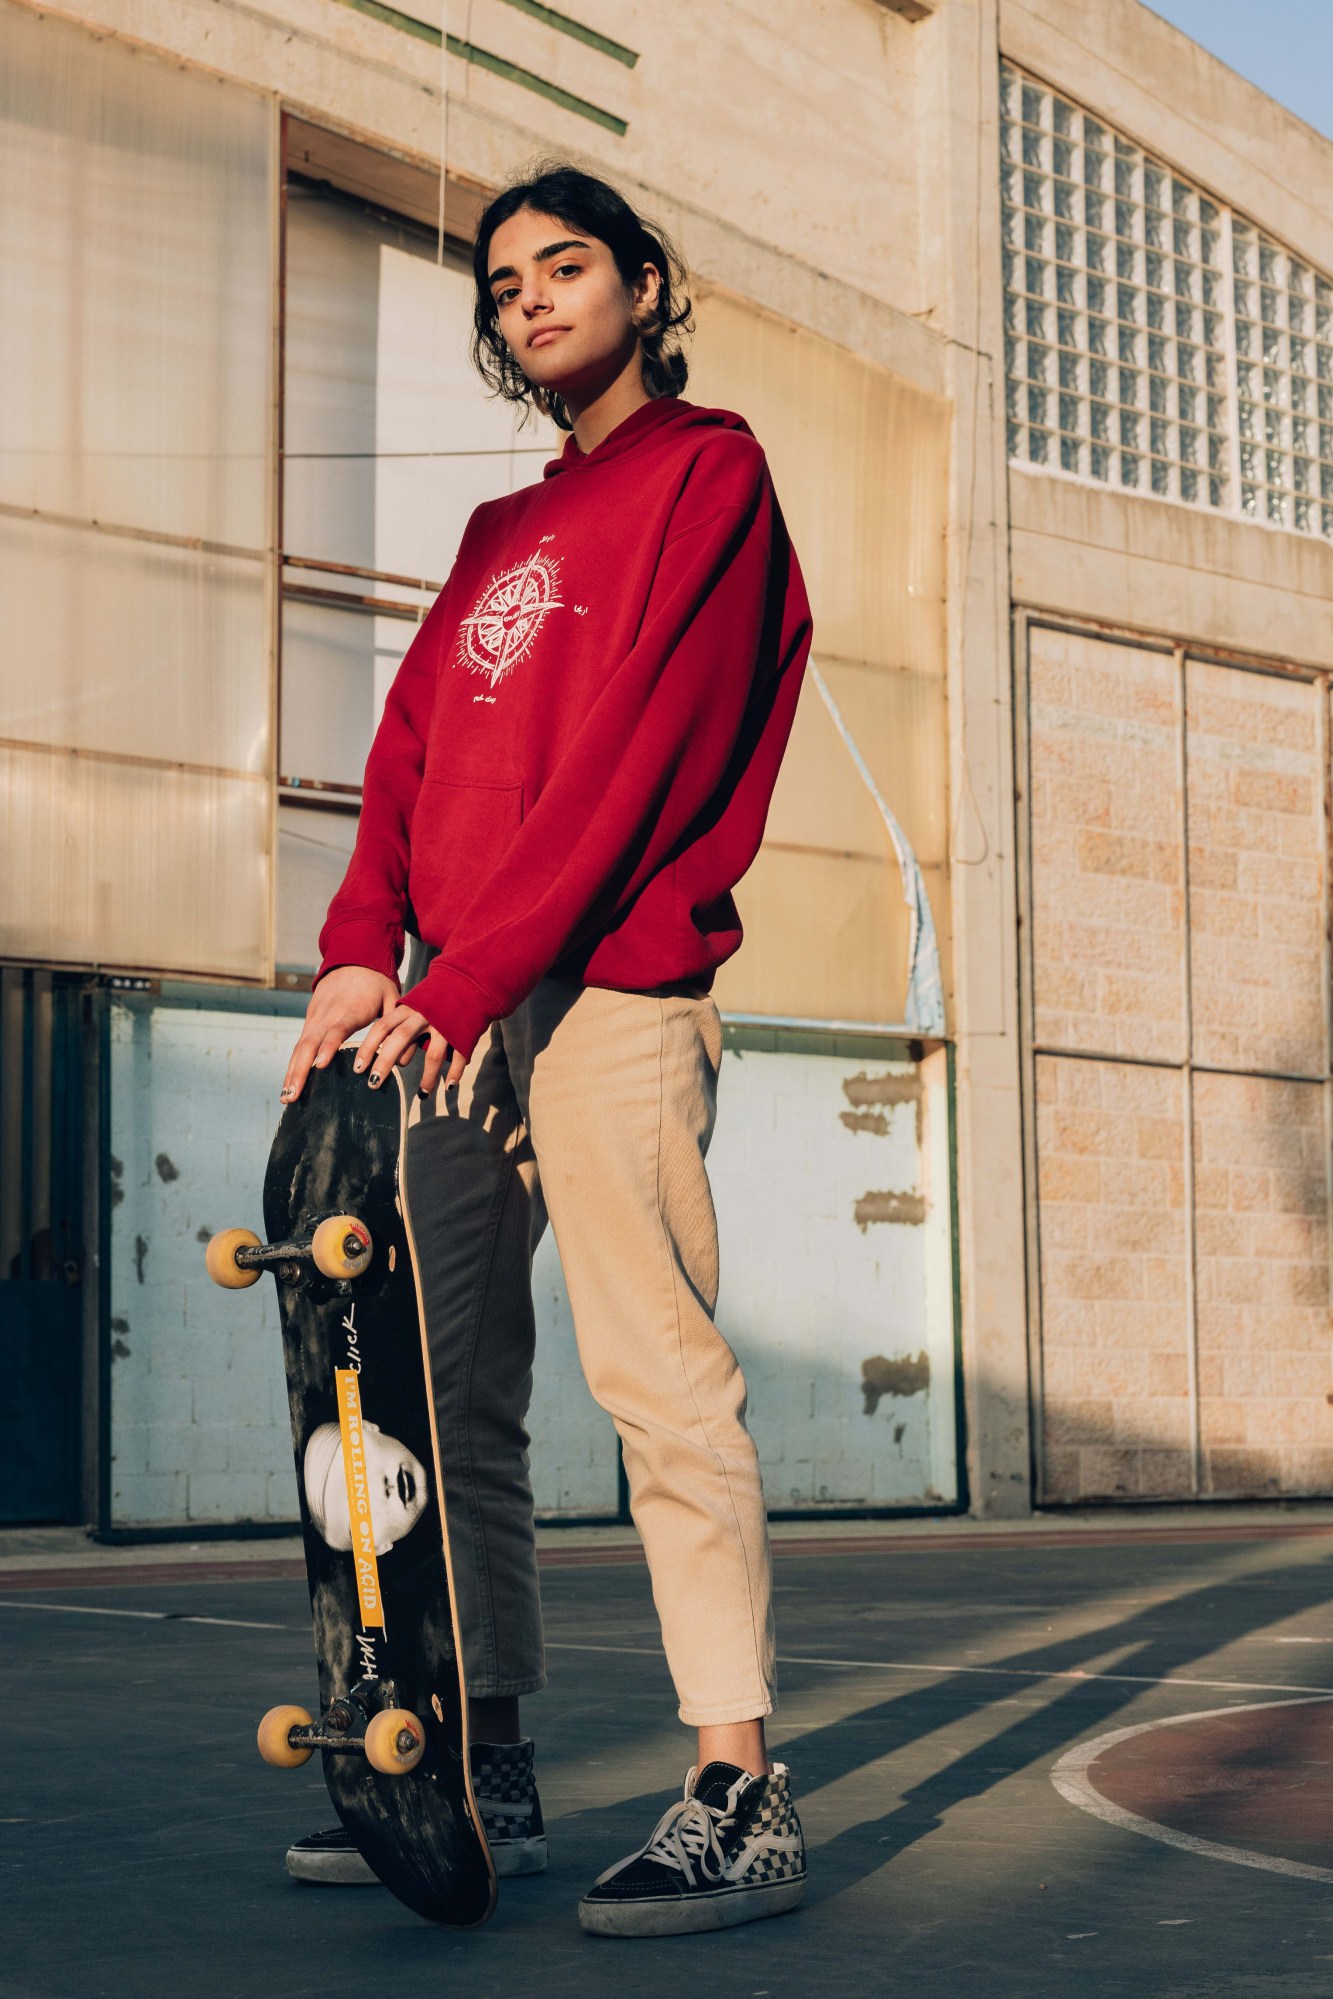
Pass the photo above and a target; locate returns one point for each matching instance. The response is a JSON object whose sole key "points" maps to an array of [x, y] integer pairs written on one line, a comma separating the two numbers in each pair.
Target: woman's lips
{"points": [[545, 334]]}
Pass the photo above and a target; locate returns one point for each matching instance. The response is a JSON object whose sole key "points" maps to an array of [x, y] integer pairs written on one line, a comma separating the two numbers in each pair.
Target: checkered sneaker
{"points": [[511, 1814], [729, 1851]]}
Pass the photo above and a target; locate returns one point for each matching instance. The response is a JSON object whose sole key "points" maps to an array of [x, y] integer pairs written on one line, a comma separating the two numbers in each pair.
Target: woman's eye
{"points": [[503, 298], [568, 270]]}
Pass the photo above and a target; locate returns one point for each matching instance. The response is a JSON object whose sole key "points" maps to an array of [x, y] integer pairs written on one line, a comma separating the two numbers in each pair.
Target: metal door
{"points": [[41, 1247]]}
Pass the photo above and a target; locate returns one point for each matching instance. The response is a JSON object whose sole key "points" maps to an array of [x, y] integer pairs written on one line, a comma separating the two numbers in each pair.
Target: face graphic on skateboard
{"points": [[398, 1490]]}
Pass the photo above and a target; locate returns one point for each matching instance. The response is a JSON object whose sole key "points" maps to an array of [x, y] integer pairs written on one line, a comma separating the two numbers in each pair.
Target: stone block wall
{"points": [[1178, 843]]}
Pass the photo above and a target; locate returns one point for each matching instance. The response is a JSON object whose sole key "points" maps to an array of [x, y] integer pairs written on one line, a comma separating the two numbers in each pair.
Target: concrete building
{"points": [[1024, 1158]]}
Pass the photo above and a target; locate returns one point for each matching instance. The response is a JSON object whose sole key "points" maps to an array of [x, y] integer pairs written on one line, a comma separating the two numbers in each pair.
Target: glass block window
{"points": [[1284, 383], [1114, 287], [1155, 341]]}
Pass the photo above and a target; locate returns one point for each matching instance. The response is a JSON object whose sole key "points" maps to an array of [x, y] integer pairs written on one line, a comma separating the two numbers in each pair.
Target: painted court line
{"points": [[1001, 1672], [784, 1659], [150, 1616], [1070, 1778]]}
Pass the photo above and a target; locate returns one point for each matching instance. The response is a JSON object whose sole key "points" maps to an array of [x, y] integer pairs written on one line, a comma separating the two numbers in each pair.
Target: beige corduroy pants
{"points": [[595, 1109]]}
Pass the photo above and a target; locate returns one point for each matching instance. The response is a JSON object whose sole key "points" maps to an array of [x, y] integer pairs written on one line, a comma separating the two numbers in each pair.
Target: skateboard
{"points": [[392, 1704]]}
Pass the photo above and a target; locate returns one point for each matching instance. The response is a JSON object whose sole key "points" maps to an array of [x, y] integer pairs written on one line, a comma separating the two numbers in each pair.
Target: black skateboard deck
{"points": [[392, 1702]]}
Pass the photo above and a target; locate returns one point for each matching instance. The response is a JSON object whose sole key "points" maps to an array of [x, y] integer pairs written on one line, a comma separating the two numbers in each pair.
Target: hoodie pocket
{"points": [[460, 832]]}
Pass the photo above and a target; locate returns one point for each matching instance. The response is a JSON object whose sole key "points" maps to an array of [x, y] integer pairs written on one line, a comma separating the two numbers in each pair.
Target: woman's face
{"points": [[397, 1482], [563, 307]]}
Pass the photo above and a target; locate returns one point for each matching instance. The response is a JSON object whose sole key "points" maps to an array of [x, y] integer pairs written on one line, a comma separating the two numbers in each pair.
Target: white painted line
{"points": [[1000, 1672], [1070, 1778], [151, 1616], [1036, 1673]]}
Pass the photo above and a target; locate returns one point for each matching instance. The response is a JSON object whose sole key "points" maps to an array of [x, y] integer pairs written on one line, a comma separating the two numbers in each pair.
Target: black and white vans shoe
{"points": [[511, 1816], [511, 1811], [729, 1852]]}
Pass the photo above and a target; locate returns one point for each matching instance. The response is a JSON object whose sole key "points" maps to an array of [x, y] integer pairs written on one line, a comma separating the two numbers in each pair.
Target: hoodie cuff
{"points": [[455, 1007], [355, 943]]}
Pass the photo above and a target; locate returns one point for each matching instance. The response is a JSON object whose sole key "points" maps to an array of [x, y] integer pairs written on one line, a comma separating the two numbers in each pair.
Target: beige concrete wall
{"points": [[1170, 570], [962, 296], [834, 165], [772, 140]]}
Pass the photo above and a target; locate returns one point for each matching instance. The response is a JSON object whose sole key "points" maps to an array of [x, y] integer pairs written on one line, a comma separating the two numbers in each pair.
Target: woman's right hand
{"points": [[349, 997]]}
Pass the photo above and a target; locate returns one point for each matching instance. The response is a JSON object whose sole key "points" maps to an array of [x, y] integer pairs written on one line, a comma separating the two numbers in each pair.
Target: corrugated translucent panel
{"points": [[119, 864], [136, 318], [390, 441], [135, 240], [860, 459], [134, 647], [313, 850], [337, 667]]}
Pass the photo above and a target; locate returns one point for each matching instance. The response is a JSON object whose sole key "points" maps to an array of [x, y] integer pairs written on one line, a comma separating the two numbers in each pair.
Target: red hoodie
{"points": [[577, 754]]}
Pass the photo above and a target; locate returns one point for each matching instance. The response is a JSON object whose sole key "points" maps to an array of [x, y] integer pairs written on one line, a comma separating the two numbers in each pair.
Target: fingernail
{"points": [[375, 1082], [423, 1093], [358, 1067]]}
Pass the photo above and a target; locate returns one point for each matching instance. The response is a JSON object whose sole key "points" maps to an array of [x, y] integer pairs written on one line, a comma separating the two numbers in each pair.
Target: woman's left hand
{"points": [[394, 1038]]}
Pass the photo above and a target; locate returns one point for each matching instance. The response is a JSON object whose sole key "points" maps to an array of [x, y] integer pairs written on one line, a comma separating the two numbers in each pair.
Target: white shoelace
{"points": [[687, 1840]]}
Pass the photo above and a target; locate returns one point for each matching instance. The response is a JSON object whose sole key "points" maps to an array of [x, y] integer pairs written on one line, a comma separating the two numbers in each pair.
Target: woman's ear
{"points": [[647, 292]]}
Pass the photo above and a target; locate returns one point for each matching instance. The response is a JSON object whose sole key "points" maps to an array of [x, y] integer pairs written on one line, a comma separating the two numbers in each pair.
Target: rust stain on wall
{"points": [[875, 1122], [889, 1207], [889, 1090], [884, 1093], [904, 1376]]}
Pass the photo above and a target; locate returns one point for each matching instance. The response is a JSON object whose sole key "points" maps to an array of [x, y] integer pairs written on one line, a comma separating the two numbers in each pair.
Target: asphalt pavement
{"points": [[930, 1688]]}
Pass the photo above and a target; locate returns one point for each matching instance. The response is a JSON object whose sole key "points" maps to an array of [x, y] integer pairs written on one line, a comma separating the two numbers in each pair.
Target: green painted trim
{"points": [[565, 26], [392, 17], [531, 81], [513, 72]]}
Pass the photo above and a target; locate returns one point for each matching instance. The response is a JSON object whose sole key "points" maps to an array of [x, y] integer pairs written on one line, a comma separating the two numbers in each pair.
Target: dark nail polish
{"points": [[375, 1082], [423, 1093]]}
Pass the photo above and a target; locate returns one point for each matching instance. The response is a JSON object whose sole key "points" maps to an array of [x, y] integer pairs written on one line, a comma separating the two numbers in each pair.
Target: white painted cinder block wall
{"points": [[831, 1175]]}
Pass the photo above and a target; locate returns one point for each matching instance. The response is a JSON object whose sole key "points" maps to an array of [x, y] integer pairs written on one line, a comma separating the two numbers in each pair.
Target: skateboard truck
{"points": [[340, 1247], [391, 1739]]}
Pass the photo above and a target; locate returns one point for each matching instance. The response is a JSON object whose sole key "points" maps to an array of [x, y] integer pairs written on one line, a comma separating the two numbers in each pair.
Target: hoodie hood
{"points": [[666, 412]]}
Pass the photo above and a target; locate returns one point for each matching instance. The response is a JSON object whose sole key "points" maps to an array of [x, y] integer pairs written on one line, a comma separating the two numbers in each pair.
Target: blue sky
{"points": [[1285, 46]]}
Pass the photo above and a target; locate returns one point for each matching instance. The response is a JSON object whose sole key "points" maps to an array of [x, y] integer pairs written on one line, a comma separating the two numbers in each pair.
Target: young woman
{"points": [[571, 775]]}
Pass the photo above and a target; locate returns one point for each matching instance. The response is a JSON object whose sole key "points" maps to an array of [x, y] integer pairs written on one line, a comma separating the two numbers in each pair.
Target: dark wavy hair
{"points": [[594, 208]]}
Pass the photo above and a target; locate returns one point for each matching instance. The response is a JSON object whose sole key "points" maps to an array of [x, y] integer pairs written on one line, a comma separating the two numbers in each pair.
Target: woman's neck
{"points": [[596, 419]]}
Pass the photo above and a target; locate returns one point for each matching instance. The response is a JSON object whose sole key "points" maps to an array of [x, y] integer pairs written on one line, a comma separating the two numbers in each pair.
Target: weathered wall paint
{"points": [[199, 1413]]}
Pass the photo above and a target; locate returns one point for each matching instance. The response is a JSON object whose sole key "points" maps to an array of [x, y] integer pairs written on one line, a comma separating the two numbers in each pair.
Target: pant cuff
{"points": [[755, 1709], [501, 1690]]}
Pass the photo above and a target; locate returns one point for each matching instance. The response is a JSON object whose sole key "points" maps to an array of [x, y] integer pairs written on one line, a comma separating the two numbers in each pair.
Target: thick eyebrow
{"points": [[542, 257]]}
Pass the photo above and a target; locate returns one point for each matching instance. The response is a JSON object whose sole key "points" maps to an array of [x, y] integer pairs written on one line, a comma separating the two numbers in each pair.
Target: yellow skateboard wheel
{"points": [[275, 1744], [220, 1259], [395, 1741], [341, 1246]]}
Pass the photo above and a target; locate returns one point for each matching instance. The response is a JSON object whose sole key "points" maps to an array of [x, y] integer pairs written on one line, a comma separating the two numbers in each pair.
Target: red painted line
{"points": [[1248, 1785], [286, 1569]]}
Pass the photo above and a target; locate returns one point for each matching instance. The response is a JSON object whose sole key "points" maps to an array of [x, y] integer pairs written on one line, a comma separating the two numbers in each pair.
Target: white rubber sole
{"points": [[332, 1870], [519, 1856], [674, 1916], [349, 1870]]}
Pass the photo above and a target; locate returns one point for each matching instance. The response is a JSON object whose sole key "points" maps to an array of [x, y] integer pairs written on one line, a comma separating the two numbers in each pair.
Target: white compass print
{"points": [[511, 610]]}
